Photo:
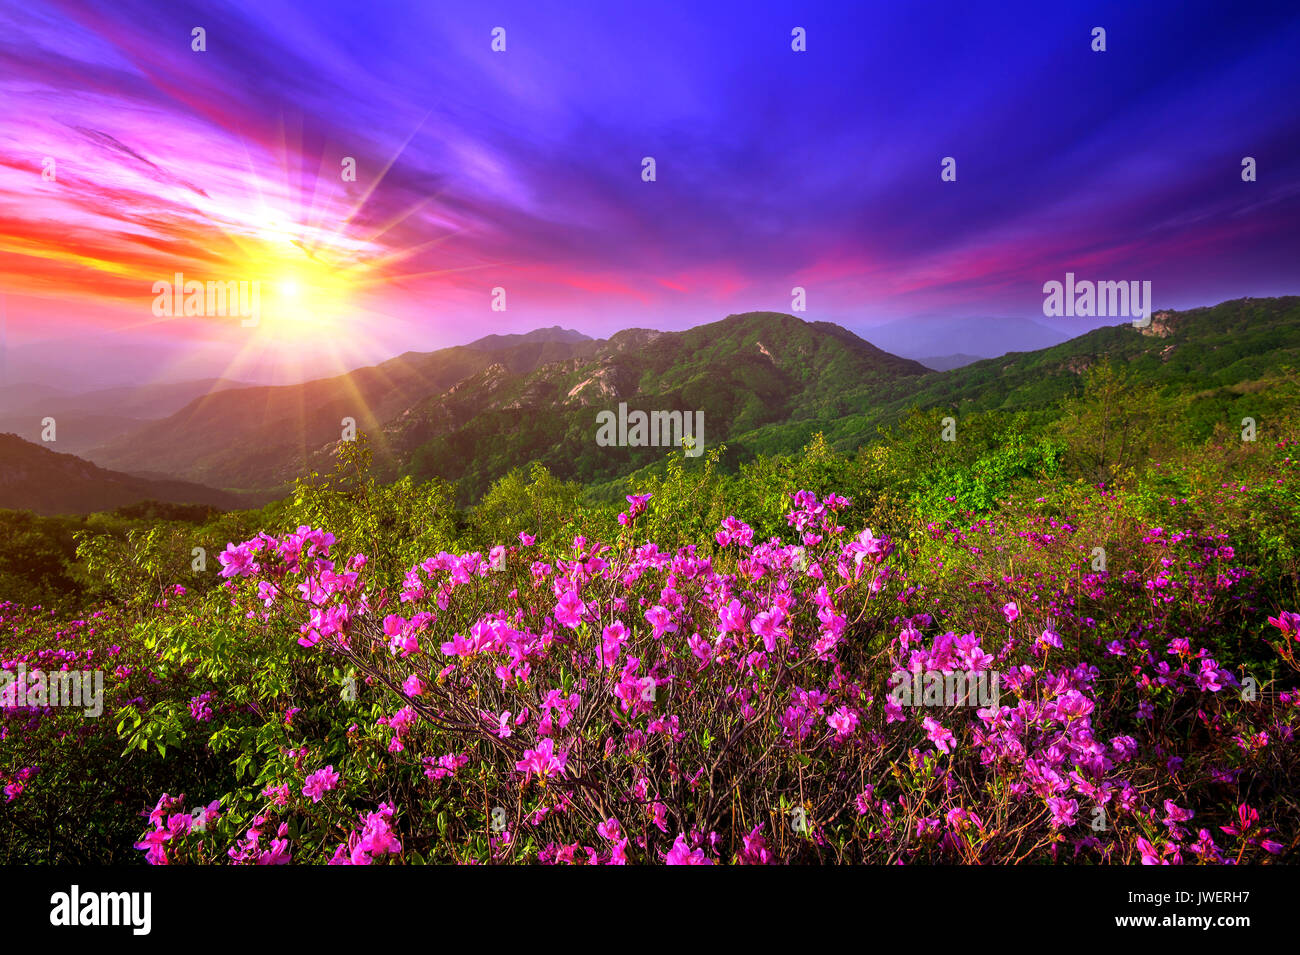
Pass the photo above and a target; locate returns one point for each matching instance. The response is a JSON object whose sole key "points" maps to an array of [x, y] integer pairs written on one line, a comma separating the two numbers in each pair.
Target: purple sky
{"points": [[522, 169]]}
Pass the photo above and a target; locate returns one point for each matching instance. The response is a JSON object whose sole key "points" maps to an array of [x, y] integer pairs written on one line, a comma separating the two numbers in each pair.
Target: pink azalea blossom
{"points": [[320, 782], [681, 854]]}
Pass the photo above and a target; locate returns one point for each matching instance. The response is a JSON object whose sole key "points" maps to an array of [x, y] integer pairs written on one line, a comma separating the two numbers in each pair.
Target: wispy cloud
{"points": [[522, 169]]}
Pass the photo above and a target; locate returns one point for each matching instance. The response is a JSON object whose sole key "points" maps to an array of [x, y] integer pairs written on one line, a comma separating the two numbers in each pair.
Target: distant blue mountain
{"points": [[921, 338], [948, 362]]}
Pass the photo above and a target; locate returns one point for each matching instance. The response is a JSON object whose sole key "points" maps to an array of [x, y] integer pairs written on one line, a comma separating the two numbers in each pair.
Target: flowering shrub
{"points": [[728, 702], [69, 792], [380, 678]]}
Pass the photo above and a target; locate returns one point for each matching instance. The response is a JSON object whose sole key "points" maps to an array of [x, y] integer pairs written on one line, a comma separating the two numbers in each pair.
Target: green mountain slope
{"points": [[743, 372], [765, 382], [261, 438], [1212, 356]]}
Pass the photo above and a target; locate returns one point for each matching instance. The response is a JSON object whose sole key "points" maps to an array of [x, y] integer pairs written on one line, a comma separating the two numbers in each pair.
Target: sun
{"points": [[309, 286], [324, 263], [308, 302]]}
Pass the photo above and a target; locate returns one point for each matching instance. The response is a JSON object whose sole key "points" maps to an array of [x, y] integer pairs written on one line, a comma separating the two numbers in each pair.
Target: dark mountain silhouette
{"points": [[37, 479]]}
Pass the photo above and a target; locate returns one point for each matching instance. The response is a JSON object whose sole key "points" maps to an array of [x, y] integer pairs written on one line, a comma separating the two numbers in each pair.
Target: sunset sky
{"points": [[522, 169]]}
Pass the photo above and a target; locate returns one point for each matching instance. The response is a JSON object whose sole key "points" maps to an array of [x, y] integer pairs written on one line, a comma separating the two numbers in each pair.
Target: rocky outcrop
{"points": [[1162, 325]]}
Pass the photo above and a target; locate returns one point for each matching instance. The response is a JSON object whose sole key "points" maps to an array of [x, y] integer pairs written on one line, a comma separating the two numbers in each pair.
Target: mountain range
{"points": [[764, 381], [87, 420], [260, 438], [472, 412], [37, 479]]}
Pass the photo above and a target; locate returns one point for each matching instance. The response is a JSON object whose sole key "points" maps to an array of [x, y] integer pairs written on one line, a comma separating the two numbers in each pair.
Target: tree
{"points": [[1113, 426]]}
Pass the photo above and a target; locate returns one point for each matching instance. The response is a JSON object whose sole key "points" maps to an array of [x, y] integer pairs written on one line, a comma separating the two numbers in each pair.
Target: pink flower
{"points": [[199, 708], [939, 736], [413, 685], [320, 782], [768, 625], [661, 621], [612, 639], [458, 646], [638, 502], [154, 845], [863, 799], [734, 532], [701, 649], [569, 610], [1288, 623], [1175, 815], [844, 721], [1150, 854], [609, 829], [754, 849], [267, 592], [401, 635], [1064, 811], [1247, 819], [237, 561], [681, 854], [446, 765], [376, 838], [733, 617], [1011, 612], [618, 854], [543, 761]]}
